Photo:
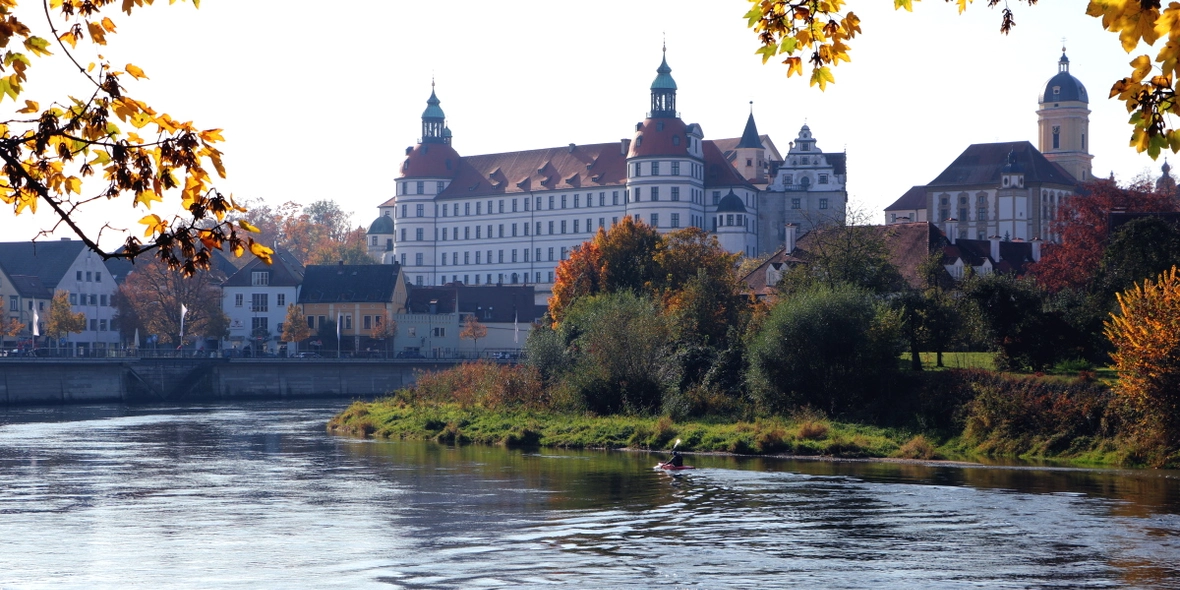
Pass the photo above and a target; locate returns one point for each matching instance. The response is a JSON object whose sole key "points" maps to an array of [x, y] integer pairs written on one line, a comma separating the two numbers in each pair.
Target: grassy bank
{"points": [[450, 423]]}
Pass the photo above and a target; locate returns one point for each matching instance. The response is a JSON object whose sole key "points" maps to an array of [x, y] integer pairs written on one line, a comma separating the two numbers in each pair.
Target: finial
{"points": [[751, 107], [665, 34]]}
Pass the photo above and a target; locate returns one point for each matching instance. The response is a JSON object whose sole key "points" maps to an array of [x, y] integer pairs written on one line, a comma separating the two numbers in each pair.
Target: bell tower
{"points": [[1064, 122]]}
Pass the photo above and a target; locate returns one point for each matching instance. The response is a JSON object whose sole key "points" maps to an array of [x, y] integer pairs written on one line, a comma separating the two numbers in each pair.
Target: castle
{"points": [[510, 218]]}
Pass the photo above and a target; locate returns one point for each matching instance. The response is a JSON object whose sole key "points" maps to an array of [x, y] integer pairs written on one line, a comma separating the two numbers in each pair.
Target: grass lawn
{"points": [[955, 360]]}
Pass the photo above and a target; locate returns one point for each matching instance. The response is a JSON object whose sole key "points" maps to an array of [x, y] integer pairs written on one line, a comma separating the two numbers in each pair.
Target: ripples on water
{"points": [[258, 496]]}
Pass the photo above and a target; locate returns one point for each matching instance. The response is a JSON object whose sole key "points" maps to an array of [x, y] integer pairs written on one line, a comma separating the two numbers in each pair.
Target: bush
{"points": [[918, 447], [835, 349], [483, 384]]}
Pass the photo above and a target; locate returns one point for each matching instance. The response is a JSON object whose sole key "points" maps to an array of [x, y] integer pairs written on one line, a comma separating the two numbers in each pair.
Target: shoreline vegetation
{"points": [[961, 415]]}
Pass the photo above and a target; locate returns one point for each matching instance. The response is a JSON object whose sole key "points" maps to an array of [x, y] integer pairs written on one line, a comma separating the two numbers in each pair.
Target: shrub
{"points": [[918, 447]]}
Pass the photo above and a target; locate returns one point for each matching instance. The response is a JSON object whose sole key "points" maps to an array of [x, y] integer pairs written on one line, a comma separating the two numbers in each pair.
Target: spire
{"points": [[433, 119], [1063, 63], [663, 90], [750, 137]]}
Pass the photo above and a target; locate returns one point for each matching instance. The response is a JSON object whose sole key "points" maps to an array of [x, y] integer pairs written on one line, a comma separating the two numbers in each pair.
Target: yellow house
{"points": [[351, 302]]}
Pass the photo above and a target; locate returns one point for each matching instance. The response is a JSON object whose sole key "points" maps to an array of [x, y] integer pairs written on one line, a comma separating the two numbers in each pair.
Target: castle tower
{"points": [[1064, 122], [750, 155]]}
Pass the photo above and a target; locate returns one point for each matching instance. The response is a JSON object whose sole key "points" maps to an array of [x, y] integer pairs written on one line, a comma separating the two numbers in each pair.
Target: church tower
{"points": [[1064, 122]]}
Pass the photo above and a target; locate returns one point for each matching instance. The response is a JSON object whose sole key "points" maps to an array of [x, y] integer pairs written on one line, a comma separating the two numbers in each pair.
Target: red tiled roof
{"points": [[660, 137], [580, 166], [430, 160]]}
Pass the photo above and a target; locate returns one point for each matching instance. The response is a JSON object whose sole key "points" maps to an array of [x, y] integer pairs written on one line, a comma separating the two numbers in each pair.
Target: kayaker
{"points": [[676, 460]]}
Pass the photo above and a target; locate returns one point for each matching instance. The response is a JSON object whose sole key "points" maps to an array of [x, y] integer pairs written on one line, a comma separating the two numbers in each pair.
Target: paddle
{"points": [[662, 463]]}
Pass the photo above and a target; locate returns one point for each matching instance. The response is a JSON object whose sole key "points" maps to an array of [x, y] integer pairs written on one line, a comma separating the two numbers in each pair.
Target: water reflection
{"points": [[257, 495]]}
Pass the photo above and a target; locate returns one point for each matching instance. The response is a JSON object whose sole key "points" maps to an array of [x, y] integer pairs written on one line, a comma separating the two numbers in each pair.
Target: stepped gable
{"points": [[981, 163], [580, 166], [718, 170], [915, 198], [285, 271], [329, 283], [48, 261]]}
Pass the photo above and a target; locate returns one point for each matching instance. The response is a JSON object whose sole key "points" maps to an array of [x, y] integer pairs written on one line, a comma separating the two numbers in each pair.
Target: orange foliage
{"points": [[577, 276], [1146, 337]]}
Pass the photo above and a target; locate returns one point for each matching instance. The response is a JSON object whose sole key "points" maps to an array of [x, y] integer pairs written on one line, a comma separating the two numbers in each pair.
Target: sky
{"points": [[318, 100]]}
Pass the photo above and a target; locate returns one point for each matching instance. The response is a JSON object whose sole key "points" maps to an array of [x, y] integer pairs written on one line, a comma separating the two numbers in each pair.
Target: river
{"points": [[258, 496]]}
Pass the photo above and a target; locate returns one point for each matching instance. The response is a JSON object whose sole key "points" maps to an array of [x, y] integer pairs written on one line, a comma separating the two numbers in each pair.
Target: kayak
{"points": [[673, 467]]}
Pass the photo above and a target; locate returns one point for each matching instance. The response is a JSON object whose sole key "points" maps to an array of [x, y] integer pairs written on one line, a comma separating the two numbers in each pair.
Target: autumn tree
{"points": [[845, 253], [1146, 337], [10, 327], [473, 330], [384, 330], [62, 320], [349, 248], [1082, 223], [698, 285], [154, 295], [49, 153], [295, 328], [820, 33], [579, 275], [627, 256]]}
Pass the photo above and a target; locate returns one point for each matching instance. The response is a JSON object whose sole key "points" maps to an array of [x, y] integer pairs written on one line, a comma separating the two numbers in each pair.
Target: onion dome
{"points": [[434, 121], [1064, 87], [663, 91], [660, 137], [381, 225], [731, 203]]}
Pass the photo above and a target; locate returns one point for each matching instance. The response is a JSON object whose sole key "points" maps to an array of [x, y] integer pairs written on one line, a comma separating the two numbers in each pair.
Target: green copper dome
{"points": [[663, 79], [432, 109]]}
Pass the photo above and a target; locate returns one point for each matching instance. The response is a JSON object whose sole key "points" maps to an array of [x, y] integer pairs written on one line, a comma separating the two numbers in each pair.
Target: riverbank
{"points": [[803, 435]]}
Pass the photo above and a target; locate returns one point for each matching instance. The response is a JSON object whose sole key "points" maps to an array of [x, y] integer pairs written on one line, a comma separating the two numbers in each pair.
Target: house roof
{"points": [[913, 199], [731, 203], [220, 265], [48, 261], [718, 171], [660, 136], [355, 283], [430, 160], [30, 286], [491, 303], [285, 271], [981, 163], [1015, 256], [573, 167], [750, 137], [755, 280], [908, 245]]}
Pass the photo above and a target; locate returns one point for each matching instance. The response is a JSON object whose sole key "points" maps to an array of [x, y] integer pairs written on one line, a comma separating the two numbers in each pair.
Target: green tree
{"points": [[1027, 335], [845, 253], [618, 350], [62, 319], [1140, 249], [48, 153], [833, 349], [627, 256]]}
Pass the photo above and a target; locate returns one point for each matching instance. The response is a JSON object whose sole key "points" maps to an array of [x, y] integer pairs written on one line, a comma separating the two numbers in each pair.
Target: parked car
{"points": [[409, 354], [310, 355]]}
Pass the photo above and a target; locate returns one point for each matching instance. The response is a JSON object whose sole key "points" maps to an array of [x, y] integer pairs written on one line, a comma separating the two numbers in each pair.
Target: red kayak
{"points": [[669, 467]]}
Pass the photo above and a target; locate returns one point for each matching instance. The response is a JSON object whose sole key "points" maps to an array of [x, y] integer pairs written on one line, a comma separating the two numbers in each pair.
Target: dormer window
{"points": [[1056, 90], [1005, 181], [260, 279]]}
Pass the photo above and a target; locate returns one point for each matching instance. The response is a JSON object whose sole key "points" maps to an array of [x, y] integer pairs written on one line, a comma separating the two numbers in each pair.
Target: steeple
{"points": [[1063, 63], [663, 91], [750, 137], [434, 121]]}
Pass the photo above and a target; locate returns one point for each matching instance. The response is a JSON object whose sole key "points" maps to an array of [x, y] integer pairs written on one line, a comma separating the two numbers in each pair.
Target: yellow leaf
{"points": [[147, 197], [74, 185], [822, 76], [68, 37], [242, 223], [30, 107], [108, 24], [262, 252], [154, 224], [135, 71], [211, 135]]}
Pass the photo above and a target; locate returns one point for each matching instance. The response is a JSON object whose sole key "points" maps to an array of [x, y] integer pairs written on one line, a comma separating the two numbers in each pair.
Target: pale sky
{"points": [[320, 99]]}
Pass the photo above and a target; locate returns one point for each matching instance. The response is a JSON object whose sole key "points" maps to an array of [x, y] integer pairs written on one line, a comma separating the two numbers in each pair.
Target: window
{"points": [[602, 199], [78, 276], [749, 162], [655, 193], [260, 279], [14, 303], [602, 222], [551, 198], [563, 199], [550, 276], [981, 214], [403, 234], [311, 322], [675, 168], [563, 226], [500, 256], [73, 299], [478, 208], [675, 193], [1056, 135], [575, 226], [259, 302], [526, 205], [637, 192], [439, 332], [655, 168], [418, 259], [589, 222], [795, 203], [501, 205], [716, 197], [823, 203], [577, 201], [538, 258], [526, 254], [418, 280], [564, 252], [454, 258], [550, 228], [675, 220], [418, 234], [467, 258], [262, 323], [823, 178], [421, 186], [98, 277], [478, 256], [513, 230], [525, 227], [501, 230], [614, 197], [419, 210], [478, 231], [729, 219], [550, 254], [367, 322], [655, 220], [89, 276], [93, 325], [514, 254], [963, 213]]}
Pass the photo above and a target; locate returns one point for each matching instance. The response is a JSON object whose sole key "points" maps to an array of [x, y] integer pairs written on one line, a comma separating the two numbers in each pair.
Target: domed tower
{"points": [[426, 172], [1166, 184], [733, 224], [665, 162], [1064, 121], [380, 237]]}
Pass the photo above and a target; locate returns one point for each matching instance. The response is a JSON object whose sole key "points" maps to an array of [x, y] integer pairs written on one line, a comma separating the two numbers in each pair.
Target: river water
{"points": [[258, 496]]}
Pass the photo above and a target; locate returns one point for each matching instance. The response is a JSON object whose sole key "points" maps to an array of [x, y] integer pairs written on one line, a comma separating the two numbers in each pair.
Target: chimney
{"points": [[952, 229], [995, 243], [571, 148], [624, 146], [409, 150], [1036, 249], [65, 239], [340, 262], [790, 237]]}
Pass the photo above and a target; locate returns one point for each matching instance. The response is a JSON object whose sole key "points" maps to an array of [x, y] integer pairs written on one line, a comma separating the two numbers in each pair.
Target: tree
{"points": [[385, 331], [847, 253], [831, 348], [473, 330], [295, 328], [61, 319], [48, 153], [1146, 337], [627, 255], [1082, 223], [794, 28], [579, 275], [154, 295], [10, 327], [1027, 335], [1140, 249], [349, 248]]}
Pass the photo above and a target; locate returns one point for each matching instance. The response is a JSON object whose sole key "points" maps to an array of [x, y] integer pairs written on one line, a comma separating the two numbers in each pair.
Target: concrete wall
{"points": [[54, 381]]}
